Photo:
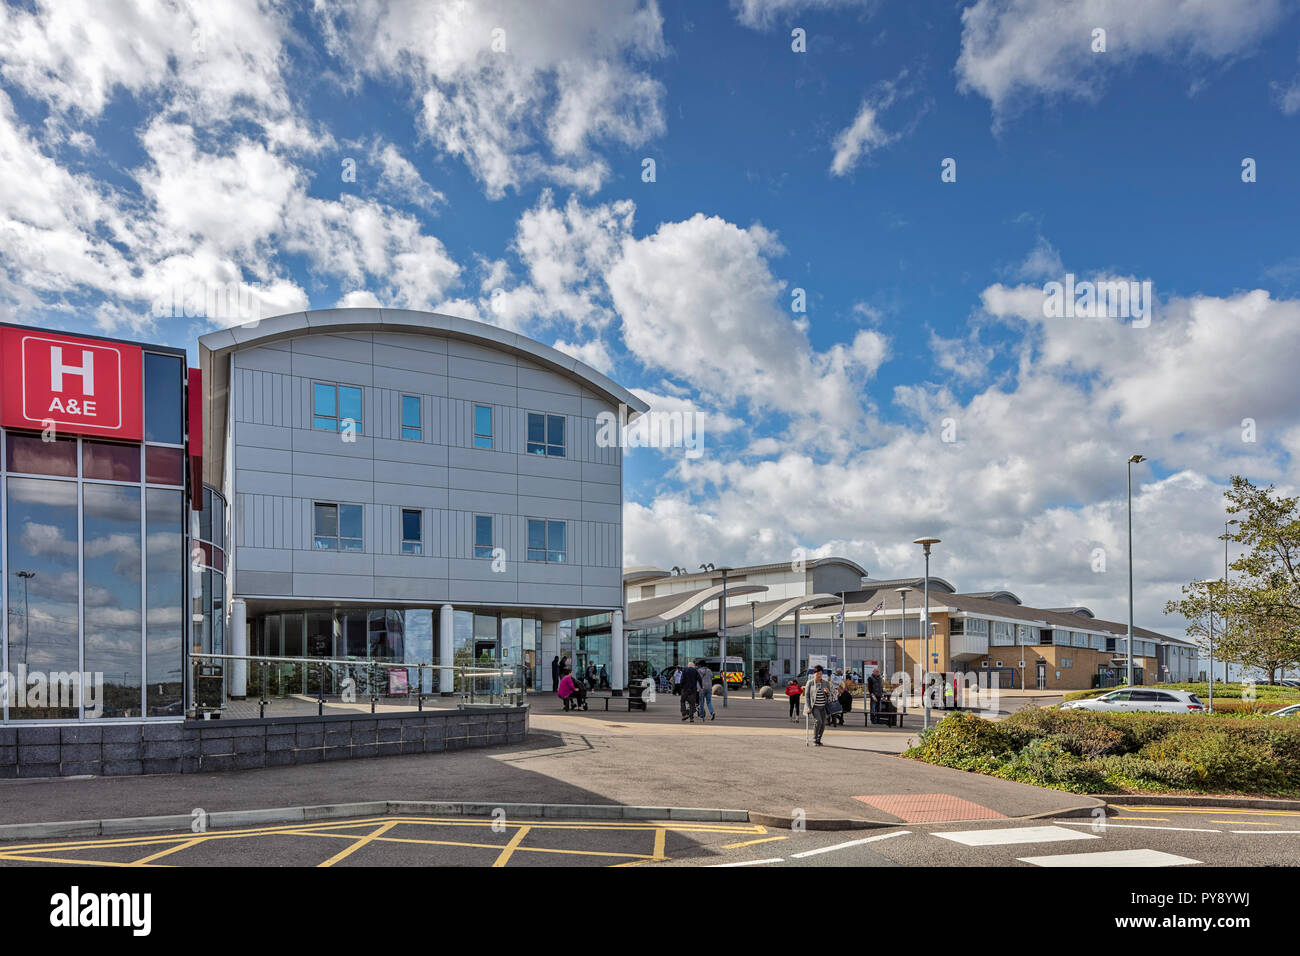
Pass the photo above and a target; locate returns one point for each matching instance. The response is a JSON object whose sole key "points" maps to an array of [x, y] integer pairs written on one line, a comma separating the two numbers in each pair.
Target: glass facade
{"points": [[93, 563]]}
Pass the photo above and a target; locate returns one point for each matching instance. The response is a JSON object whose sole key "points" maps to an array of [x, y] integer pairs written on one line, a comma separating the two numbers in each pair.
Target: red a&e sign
{"points": [[80, 386]]}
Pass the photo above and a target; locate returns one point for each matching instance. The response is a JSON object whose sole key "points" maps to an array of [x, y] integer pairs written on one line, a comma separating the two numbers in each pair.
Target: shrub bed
{"points": [[1087, 752]]}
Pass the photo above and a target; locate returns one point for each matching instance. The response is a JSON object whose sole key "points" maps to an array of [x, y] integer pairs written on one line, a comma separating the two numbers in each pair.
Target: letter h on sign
{"points": [[86, 370]]}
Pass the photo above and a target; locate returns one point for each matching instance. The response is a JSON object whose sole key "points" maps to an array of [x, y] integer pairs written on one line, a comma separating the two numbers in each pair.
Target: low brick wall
{"points": [[195, 746]]}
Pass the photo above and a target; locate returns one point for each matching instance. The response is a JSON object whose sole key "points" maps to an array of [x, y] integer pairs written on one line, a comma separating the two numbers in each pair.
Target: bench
{"points": [[633, 695], [885, 717]]}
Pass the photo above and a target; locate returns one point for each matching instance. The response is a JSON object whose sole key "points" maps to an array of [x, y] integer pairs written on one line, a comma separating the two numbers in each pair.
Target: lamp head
{"points": [[925, 543], [1136, 459]]}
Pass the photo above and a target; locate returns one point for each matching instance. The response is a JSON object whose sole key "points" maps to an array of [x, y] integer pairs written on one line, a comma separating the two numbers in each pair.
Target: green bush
{"points": [[1091, 752]]}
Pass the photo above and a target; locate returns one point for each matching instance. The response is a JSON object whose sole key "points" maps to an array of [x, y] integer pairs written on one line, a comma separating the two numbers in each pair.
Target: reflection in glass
{"points": [[164, 466], [164, 406], [31, 455], [164, 622], [111, 597], [101, 459], [42, 568]]}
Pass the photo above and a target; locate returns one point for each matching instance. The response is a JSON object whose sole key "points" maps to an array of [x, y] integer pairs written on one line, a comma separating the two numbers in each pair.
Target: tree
{"points": [[1257, 612]]}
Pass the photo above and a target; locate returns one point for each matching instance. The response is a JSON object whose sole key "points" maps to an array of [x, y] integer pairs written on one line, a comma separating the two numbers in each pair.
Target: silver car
{"points": [[1292, 710], [1129, 700]]}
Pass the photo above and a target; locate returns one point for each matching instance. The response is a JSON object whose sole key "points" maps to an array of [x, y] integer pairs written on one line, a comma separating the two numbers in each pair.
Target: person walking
{"points": [[604, 677], [706, 691], [690, 685], [677, 680], [794, 692], [818, 692], [555, 671]]}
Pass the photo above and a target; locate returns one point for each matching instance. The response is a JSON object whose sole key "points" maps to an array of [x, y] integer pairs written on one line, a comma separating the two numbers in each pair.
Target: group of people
{"points": [[694, 684], [821, 689]]}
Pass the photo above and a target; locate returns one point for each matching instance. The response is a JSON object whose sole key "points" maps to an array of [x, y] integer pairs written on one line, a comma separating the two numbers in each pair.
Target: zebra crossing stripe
{"points": [[1111, 858], [1002, 837]]}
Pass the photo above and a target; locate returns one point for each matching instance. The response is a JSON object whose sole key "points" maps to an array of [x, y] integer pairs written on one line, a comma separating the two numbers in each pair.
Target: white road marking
{"points": [[1265, 832], [845, 846], [1111, 858], [1139, 826], [775, 859], [1015, 835]]}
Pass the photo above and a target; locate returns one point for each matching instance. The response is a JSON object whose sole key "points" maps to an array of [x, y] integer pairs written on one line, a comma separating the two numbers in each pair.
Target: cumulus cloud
{"points": [[1015, 50], [518, 91], [761, 14]]}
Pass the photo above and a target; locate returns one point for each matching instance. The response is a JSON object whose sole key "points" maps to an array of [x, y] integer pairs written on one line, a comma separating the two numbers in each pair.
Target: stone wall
{"points": [[196, 746]]}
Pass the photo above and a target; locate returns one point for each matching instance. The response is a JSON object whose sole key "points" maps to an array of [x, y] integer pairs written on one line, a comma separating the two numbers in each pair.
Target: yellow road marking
{"points": [[737, 846], [1266, 813], [509, 850], [1248, 823], [661, 835], [342, 854], [161, 853], [55, 859], [1149, 819]]}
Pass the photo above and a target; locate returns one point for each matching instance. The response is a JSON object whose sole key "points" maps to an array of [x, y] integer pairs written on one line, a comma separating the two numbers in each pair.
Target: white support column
{"points": [[617, 653], [550, 650], [446, 645], [798, 645], [238, 684]]}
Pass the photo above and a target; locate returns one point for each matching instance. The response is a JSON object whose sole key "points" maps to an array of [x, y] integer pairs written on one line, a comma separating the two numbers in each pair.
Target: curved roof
{"points": [[1006, 597], [643, 572], [295, 324], [918, 584], [773, 613], [670, 607]]}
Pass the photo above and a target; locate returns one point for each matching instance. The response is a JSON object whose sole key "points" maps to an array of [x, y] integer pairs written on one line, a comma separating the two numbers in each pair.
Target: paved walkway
{"points": [[759, 764]]}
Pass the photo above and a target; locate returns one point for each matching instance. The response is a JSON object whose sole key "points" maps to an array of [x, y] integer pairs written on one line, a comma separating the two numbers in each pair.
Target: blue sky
{"points": [[146, 149]]}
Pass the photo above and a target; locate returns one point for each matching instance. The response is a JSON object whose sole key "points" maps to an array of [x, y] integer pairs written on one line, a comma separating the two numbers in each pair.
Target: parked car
{"points": [[1292, 710], [1129, 700]]}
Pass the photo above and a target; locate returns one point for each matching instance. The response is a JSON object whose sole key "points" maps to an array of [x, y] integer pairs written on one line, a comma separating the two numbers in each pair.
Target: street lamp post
{"points": [[1211, 593], [1225, 587], [753, 606], [722, 634], [844, 646], [925, 543], [1133, 460], [902, 593]]}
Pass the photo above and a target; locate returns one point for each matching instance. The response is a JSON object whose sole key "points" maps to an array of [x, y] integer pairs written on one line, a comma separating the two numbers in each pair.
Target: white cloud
{"points": [[593, 353], [519, 91], [859, 139], [1013, 50], [761, 14]]}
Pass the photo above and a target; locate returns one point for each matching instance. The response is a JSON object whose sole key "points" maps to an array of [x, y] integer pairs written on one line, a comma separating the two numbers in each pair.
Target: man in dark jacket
{"points": [[876, 689], [690, 692]]}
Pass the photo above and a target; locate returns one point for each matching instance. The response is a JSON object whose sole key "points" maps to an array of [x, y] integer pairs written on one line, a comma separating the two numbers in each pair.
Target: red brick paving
{"points": [[929, 807]]}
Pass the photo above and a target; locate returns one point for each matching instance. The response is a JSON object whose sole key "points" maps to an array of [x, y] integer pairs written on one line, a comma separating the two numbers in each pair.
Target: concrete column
{"points": [[237, 686], [550, 649], [617, 653], [798, 643], [446, 646]]}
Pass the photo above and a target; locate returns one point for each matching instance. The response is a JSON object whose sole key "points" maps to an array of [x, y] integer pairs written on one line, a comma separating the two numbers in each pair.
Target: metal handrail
{"points": [[464, 672]]}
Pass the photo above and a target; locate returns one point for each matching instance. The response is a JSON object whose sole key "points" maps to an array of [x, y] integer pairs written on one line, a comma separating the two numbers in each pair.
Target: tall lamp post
{"points": [[1210, 591], [1133, 460], [902, 593], [1224, 629], [753, 607], [722, 632], [925, 544]]}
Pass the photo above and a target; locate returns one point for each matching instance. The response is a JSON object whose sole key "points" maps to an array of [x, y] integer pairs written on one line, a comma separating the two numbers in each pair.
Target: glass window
{"points": [[111, 598], [338, 528], [164, 466], [482, 536], [335, 406], [412, 429], [324, 407], [546, 435], [43, 611], [164, 401], [34, 456], [482, 426], [547, 541], [350, 527], [412, 535], [105, 460]]}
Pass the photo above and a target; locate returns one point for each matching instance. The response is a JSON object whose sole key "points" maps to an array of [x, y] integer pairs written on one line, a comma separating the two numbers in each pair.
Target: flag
{"points": [[878, 607]]}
